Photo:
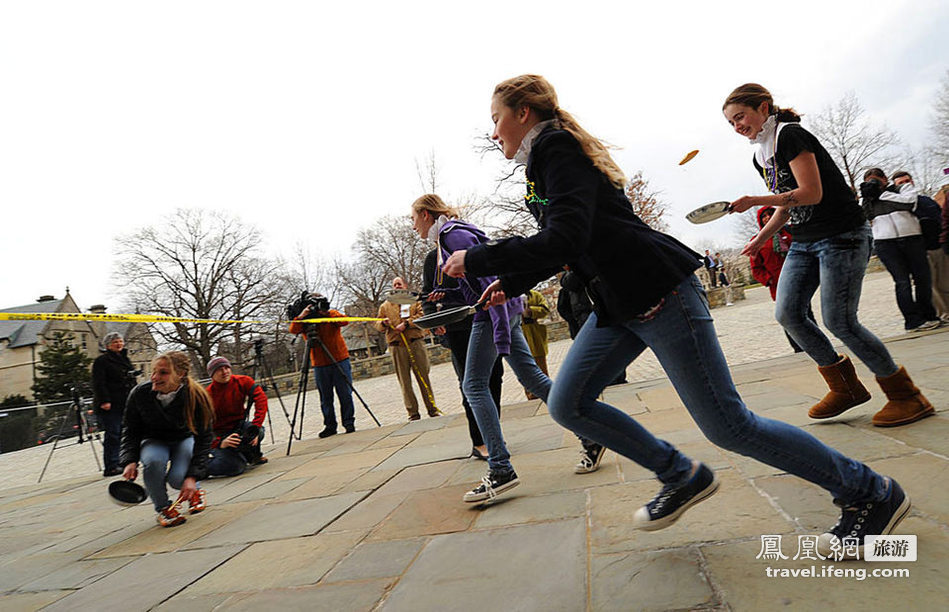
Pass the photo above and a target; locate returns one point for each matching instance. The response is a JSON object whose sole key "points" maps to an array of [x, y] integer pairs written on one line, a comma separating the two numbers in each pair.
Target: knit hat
{"points": [[216, 363], [110, 338]]}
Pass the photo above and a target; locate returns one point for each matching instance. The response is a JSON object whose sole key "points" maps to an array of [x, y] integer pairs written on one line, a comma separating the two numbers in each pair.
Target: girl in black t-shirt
{"points": [[831, 247]]}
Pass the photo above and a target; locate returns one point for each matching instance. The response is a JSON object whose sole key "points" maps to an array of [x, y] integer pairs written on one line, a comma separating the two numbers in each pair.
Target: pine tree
{"points": [[62, 366]]}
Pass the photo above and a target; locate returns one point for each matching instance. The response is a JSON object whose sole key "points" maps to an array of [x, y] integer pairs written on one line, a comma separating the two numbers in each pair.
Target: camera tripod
{"points": [[312, 340], [261, 365], [75, 409]]}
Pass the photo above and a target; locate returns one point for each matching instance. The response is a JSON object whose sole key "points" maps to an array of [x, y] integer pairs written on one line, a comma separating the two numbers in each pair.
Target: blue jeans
{"points": [[905, 258], [229, 461], [154, 457], [329, 378], [837, 264], [479, 363], [682, 336]]}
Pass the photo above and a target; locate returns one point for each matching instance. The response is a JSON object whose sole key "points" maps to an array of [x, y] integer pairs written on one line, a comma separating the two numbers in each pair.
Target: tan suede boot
{"points": [[906, 403], [846, 390]]}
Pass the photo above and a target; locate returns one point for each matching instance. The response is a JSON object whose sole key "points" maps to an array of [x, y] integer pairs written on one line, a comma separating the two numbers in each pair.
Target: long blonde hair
{"points": [[196, 399], [435, 205], [537, 93]]}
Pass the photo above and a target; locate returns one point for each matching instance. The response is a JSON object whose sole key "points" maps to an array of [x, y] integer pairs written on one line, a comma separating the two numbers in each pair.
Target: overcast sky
{"points": [[307, 119]]}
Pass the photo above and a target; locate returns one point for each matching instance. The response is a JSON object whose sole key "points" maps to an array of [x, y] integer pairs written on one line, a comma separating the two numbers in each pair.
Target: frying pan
{"points": [[404, 296], [448, 316], [709, 212], [126, 493]]}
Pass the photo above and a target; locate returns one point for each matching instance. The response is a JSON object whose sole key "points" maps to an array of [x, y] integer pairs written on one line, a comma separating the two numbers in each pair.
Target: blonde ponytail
{"points": [[537, 93]]}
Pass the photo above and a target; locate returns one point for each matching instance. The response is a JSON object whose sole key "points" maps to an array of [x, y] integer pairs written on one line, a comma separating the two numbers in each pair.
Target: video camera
{"points": [[317, 303]]}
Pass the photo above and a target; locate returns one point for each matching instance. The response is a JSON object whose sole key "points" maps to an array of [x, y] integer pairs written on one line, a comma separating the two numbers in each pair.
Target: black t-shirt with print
{"points": [[837, 212]]}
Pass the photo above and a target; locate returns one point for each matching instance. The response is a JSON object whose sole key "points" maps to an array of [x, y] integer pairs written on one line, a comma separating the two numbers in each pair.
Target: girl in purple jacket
{"points": [[496, 331]]}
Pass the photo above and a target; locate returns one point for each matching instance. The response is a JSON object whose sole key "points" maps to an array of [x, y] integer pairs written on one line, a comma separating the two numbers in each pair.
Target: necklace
{"points": [[771, 178]]}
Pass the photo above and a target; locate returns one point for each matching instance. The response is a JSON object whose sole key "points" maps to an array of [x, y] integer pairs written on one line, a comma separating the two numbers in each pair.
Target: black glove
{"points": [[871, 190]]}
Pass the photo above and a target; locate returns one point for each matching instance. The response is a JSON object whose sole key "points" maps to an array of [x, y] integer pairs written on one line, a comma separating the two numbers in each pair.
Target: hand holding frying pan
{"points": [[709, 212]]}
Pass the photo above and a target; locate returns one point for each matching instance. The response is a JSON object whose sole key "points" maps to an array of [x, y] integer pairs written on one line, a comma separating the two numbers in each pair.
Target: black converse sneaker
{"points": [[492, 485], [673, 500], [591, 454], [865, 518]]}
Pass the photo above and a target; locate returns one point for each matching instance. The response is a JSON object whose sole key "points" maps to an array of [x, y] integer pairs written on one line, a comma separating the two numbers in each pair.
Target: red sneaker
{"points": [[169, 517], [198, 502]]}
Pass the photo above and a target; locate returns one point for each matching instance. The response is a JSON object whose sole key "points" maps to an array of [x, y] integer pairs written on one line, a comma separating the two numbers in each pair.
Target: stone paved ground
{"points": [[373, 520], [747, 331]]}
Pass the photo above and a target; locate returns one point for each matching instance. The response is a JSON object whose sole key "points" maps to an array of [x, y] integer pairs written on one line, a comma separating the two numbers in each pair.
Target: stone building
{"points": [[22, 342]]}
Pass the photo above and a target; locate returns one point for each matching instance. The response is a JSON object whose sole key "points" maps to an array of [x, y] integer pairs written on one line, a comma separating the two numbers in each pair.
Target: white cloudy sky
{"points": [[306, 118]]}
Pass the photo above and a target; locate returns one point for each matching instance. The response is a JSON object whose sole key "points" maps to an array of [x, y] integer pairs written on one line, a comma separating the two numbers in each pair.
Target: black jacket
{"points": [[588, 224], [147, 419], [111, 381]]}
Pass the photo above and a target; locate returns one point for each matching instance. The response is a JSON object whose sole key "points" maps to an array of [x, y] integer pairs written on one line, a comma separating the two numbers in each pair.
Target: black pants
{"points": [[110, 422], [458, 343], [905, 258]]}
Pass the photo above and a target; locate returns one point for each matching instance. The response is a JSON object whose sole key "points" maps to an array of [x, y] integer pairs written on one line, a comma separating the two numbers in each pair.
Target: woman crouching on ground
{"points": [[645, 294], [169, 419]]}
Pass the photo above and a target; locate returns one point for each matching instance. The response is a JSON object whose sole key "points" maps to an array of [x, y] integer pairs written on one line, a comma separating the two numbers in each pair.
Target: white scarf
{"points": [[524, 150], [167, 398], [437, 227], [767, 141]]}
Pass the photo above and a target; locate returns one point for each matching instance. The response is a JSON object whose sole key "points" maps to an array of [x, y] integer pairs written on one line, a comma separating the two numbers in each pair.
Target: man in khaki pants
{"points": [[408, 351]]}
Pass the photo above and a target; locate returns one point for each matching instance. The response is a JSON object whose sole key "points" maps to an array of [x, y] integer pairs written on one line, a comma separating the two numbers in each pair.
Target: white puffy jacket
{"points": [[899, 223]]}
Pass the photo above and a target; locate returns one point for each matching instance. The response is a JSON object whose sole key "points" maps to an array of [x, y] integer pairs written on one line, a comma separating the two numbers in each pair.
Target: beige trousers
{"points": [[404, 371]]}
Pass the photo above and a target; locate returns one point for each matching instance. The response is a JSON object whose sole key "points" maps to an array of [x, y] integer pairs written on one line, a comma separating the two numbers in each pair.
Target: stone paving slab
{"points": [[427, 512], [158, 539], [529, 567], [282, 520], [357, 597], [277, 563], [659, 580], [145, 582], [377, 560]]}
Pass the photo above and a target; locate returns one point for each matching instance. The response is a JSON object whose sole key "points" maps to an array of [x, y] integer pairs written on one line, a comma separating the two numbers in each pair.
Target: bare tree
{"points": [[746, 226], [646, 203], [201, 266], [939, 120], [428, 173], [391, 247], [853, 143]]}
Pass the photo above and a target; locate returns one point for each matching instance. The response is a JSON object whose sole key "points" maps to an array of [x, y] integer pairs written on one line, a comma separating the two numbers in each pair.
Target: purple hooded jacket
{"points": [[458, 235]]}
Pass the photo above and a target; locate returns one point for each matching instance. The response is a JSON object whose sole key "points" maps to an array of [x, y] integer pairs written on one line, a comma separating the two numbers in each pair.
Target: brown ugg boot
{"points": [[846, 390], [906, 403]]}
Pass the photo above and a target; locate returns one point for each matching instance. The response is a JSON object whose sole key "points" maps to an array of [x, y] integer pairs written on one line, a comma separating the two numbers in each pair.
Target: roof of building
{"points": [[25, 333]]}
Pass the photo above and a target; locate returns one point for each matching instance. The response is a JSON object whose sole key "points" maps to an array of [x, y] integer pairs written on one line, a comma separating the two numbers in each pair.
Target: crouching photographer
{"points": [[236, 440], [329, 358]]}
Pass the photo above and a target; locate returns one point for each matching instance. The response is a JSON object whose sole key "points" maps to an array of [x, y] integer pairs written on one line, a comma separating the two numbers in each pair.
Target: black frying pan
{"points": [[448, 316], [126, 493]]}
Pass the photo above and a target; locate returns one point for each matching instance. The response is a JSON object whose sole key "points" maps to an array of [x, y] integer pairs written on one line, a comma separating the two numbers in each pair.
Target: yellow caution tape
{"points": [[141, 318]]}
